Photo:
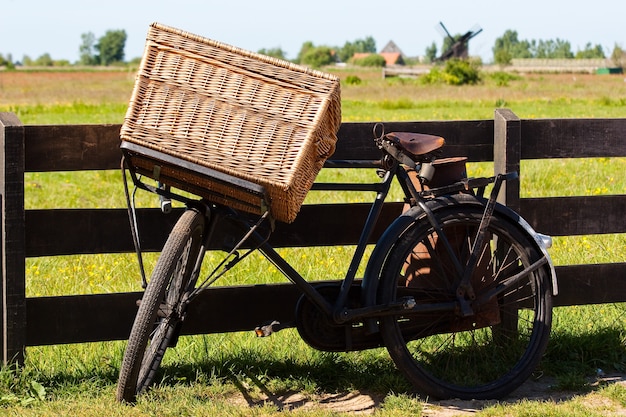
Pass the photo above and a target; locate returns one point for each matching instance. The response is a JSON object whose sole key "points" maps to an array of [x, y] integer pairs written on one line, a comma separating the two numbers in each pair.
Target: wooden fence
{"points": [[85, 318]]}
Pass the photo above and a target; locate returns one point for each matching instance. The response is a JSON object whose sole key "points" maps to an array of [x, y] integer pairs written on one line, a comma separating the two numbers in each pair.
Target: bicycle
{"points": [[458, 288]]}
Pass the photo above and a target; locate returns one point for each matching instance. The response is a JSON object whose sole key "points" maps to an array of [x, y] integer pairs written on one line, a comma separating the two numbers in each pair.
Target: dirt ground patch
{"points": [[366, 404]]}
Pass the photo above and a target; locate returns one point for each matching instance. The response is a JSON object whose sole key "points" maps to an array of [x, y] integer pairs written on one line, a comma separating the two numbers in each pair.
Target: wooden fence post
{"points": [[12, 291], [507, 152]]}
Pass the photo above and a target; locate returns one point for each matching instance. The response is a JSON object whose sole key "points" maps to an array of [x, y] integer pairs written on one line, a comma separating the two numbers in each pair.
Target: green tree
{"points": [[367, 45], [508, 47], [86, 49], [6, 62], [618, 56], [562, 49], [306, 46], [591, 52], [318, 56], [431, 52], [273, 52], [502, 57], [110, 47], [45, 60], [551, 49]]}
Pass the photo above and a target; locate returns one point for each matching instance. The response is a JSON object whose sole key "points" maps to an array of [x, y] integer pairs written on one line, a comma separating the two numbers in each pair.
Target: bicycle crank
{"points": [[319, 331]]}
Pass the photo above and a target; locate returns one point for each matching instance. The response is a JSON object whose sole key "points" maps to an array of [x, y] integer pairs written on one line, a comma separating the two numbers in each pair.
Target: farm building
{"points": [[392, 54]]}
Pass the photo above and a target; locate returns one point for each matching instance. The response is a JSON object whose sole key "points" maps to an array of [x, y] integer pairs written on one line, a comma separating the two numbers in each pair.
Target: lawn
{"points": [[210, 374]]}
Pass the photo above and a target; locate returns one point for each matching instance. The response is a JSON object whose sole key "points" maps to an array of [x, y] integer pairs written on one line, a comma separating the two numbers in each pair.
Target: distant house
{"points": [[392, 58], [392, 54], [391, 47]]}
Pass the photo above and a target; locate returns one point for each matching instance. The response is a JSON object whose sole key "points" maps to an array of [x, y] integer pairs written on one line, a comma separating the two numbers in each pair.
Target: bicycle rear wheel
{"points": [[161, 310], [448, 355]]}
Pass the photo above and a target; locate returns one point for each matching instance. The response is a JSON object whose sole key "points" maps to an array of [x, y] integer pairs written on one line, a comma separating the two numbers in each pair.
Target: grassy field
{"points": [[206, 374], [102, 97]]}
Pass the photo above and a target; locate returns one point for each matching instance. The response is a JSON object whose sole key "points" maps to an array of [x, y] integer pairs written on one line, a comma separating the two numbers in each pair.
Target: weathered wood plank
{"points": [[87, 231], [507, 149], [101, 317], [72, 147], [87, 147], [93, 147], [473, 138], [79, 318], [570, 216], [573, 138], [591, 284], [13, 263]]}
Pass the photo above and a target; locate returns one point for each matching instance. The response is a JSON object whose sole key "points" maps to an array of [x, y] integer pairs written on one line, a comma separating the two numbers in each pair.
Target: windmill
{"points": [[459, 46]]}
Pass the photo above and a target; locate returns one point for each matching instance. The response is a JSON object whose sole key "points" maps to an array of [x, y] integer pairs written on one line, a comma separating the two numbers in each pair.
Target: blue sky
{"points": [[34, 27]]}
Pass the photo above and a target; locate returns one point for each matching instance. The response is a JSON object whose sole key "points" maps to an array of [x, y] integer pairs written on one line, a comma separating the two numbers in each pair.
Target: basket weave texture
{"points": [[250, 116]]}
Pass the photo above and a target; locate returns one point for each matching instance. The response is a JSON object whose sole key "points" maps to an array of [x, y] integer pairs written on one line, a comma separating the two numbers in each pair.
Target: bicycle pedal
{"points": [[267, 329]]}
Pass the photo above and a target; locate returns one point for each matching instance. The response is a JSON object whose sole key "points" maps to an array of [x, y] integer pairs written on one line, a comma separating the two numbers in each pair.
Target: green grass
{"points": [[407, 110], [205, 374], [57, 114]]}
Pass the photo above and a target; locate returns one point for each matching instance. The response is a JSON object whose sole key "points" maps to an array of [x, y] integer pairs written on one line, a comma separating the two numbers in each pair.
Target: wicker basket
{"points": [[247, 115]]}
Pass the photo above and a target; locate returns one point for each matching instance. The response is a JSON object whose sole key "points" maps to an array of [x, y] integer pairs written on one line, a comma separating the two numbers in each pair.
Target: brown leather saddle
{"points": [[415, 143]]}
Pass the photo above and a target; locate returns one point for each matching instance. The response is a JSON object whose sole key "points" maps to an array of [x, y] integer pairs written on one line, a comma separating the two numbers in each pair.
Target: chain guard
{"points": [[320, 331]]}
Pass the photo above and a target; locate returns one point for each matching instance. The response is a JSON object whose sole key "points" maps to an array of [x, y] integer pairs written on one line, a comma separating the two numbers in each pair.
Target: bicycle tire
{"points": [[160, 314], [446, 355]]}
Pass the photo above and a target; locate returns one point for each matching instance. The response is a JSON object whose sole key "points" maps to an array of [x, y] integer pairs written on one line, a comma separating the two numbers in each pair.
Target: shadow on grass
{"points": [[569, 368], [330, 372], [580, 356]]}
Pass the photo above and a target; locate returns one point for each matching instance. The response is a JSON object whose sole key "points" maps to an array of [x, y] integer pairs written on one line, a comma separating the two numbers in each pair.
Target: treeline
{"points": [[509, 47], [109, 50], [104, 51], [319, 56]]}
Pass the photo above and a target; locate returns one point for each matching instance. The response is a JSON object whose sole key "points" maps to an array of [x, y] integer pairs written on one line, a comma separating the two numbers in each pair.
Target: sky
{"points": [[35, 27]]}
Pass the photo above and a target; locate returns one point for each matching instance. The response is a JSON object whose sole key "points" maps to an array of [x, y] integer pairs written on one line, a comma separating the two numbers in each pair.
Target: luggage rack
{"points": [[196, 179]]}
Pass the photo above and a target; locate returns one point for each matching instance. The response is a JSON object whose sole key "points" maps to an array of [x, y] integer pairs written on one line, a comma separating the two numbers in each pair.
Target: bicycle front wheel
{"points": [[451, 355], [161, 310]]}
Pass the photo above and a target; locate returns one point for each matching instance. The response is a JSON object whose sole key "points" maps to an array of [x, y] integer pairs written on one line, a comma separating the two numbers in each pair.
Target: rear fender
{"points": [[542, 242], [399, 226]]}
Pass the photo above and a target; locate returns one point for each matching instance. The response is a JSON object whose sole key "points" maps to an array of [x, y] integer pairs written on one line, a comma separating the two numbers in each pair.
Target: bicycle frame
{"points": [[390, 170], [341, 314], [338, 310]]}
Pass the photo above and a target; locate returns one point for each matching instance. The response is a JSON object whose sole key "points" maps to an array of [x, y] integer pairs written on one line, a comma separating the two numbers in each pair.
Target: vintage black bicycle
{"points": [[458, 288]]}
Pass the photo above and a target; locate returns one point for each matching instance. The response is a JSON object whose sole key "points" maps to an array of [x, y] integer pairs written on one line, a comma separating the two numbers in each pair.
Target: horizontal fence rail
{"points": [[506, 141]]}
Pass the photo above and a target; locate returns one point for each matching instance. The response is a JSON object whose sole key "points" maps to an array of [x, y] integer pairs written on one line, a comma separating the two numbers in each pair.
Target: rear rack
{"points": [[193, 178]]}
